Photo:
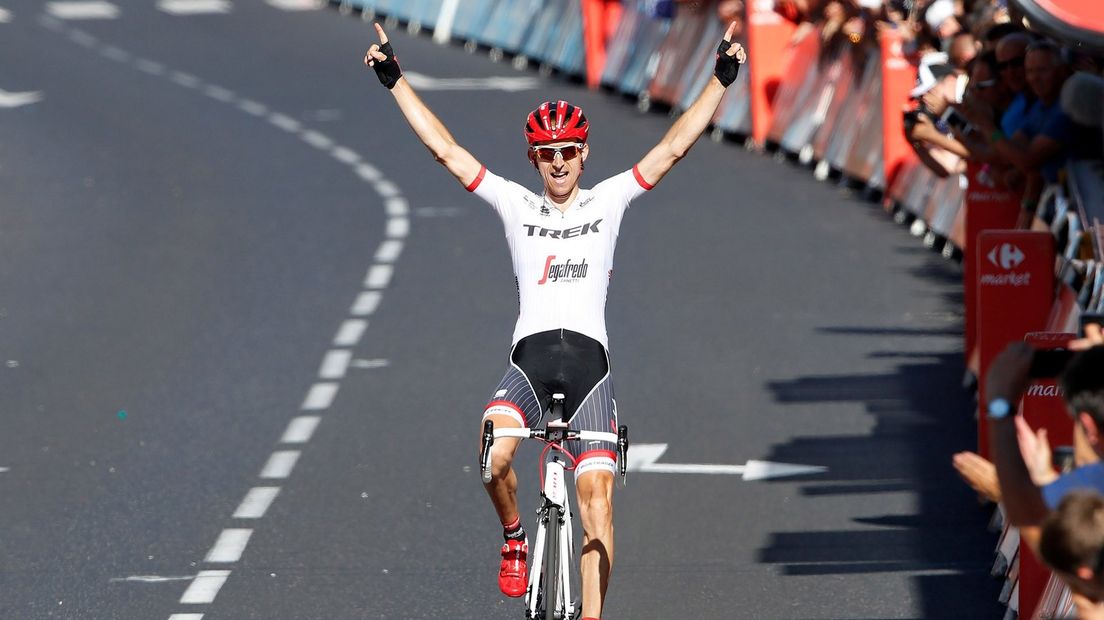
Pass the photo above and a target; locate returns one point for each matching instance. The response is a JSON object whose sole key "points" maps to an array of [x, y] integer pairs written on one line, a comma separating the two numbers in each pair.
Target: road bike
{"points": [[550, 595]]}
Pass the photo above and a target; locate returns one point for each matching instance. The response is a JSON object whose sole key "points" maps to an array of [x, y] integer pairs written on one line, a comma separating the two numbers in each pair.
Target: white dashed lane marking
{"points": [[319, 397], [295, 5], [93, 9], [280, 464], [350, 331], [256, 502], [205, 587], [5, 16], [194, 7], [232, 542], [301, 429]]}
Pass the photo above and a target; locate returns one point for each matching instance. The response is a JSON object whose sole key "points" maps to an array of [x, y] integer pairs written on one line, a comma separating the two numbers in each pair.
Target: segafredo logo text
{"points": [[1007, 257], [565, 271]]}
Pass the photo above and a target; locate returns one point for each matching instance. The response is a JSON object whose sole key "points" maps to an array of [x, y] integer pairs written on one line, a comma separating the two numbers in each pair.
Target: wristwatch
{"points": [[998, 409]]}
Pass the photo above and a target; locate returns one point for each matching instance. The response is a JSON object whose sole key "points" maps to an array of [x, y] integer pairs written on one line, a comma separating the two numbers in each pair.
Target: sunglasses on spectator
{"points": [[548, 153], [984, 84], [1011, 62]]}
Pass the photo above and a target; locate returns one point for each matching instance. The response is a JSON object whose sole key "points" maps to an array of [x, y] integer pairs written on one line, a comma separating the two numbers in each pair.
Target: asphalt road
{"points": [[202, 209]]}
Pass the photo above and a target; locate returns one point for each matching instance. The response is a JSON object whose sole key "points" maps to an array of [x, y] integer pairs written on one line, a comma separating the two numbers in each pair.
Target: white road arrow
{"points": [[14, 100], [643, 457]]}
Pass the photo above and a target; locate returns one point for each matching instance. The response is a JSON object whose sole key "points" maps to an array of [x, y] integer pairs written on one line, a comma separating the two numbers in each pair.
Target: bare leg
{"points": [[595, 491], [503, 485]]}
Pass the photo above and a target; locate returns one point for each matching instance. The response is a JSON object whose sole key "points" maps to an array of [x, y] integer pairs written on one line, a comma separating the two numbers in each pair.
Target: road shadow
{"points": [[922, 416]]}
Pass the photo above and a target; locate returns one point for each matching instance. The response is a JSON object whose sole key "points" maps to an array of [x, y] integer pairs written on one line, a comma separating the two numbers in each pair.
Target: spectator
{"points": [[1027, 504], [941, 20], [1072, 544], [937, 89], [963, 49], [1039, 147]]}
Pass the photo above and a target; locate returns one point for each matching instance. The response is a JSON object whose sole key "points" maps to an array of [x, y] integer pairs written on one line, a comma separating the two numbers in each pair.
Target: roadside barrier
{"points": [[837, 105]]}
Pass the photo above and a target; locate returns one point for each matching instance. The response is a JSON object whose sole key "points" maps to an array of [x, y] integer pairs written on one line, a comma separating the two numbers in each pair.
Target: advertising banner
{"points": [[1015, 287]]}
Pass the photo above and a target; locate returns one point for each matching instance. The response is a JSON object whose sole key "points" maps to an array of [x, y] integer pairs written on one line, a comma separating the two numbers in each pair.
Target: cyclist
{"points": [[562, 243]]}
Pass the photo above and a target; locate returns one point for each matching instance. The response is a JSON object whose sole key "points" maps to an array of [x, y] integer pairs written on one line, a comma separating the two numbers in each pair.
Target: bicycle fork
{"points": [[549, 594]]}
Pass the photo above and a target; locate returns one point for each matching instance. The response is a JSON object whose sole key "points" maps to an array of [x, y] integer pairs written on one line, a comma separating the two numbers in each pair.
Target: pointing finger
{"points": [[731, 31], [381, 33]]}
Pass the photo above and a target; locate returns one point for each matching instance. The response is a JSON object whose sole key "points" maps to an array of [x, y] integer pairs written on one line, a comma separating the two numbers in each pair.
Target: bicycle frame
{"points": [[550, 597]]}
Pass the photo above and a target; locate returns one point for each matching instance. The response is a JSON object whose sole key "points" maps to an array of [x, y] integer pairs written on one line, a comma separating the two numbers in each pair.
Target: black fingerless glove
{"points": [[387, 71], [727, 67]]}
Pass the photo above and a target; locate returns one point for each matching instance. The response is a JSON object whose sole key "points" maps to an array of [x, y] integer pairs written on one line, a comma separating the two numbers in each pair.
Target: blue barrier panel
{"points": [[800, 133], [542, 35], [620, 46], [865, 153], [399, 9], [846, 80], [681, 40], [734, 113], [851, 116], [916, 196], [509, 24], [425, 12], [368, 6], [570, 54], [944, 205], [699, 68], [643, 56], [471, 17]]}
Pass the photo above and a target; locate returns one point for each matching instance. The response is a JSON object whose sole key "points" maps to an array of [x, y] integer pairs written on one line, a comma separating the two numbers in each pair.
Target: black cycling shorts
{"points": [[570, 363]]}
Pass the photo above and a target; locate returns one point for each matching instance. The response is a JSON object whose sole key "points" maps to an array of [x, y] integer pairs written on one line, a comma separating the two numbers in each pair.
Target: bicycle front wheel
{"points": [[552, 583]]}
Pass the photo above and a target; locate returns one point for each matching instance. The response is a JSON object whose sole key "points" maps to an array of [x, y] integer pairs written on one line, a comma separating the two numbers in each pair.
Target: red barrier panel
{"points": [[600, 19], [1015, 280], [898, 77], [768, 55], [802, 75], [987, 208], [1043, 407]]}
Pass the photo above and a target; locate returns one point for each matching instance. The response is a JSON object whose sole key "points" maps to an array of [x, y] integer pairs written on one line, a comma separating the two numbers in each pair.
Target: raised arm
{"points": [[430, 130], [689, 127]]}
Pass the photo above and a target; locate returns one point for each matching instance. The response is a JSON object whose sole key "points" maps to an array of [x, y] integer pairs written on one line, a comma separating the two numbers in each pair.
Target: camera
{"points": [[1049, 363]]}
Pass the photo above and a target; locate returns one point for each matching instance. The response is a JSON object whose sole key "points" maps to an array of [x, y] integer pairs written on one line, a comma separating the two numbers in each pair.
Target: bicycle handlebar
{"points": [[490, 433], [539, 433]]}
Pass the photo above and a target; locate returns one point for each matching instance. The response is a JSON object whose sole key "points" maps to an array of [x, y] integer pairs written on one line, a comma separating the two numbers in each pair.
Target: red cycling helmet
{"points": [[556, 121]]}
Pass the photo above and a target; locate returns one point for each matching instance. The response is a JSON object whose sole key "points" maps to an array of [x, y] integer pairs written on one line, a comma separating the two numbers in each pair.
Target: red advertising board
{"points": [[1015, 290], [988, 207], [1043, 407], [769, 53], [898, 78]]}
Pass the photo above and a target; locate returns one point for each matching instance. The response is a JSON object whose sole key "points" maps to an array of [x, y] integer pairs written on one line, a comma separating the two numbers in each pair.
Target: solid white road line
{"points": [[350, 331], [205, 587], [366, 303], [229, 546], [280, 464], [378, 276], [301, 429], [397, 207], [319, 397], [389, 251], [256, 502], [398, 227], [94, 9], [193, 7], [335, 364]]}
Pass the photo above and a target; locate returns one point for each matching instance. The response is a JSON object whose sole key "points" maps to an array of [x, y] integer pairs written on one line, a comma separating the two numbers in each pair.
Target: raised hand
{"points": [[729, 58], [381, 57]]}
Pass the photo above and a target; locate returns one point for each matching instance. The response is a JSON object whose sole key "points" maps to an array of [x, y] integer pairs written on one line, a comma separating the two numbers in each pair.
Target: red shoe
{"points": [[512, 576]]}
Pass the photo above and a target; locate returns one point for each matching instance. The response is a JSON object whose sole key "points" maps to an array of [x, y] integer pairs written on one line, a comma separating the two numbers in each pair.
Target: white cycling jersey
{"points": [[563, 261]]}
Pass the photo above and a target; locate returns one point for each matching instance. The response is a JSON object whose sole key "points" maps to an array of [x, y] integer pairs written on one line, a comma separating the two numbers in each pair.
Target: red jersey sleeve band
{"points": [[640, 179], [478, 179]]}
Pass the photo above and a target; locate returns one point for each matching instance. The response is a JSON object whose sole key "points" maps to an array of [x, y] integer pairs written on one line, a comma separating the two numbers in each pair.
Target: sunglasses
{"points": [[1011, 62], [984, 84], [548, 153]]}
